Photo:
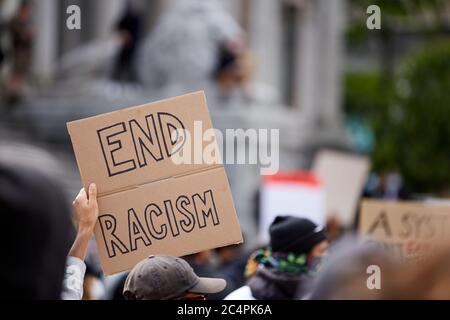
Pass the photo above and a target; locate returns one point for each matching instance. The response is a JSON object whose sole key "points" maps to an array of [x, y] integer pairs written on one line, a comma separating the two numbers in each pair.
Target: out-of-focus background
{"points": [[311, 68]]}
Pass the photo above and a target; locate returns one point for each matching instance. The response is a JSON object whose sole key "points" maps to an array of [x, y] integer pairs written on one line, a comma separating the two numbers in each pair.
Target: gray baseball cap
{"points": [[167, 278]]}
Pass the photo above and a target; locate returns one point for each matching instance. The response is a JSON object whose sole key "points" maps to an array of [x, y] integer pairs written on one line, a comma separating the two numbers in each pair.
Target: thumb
{"points": [[92, 192]]}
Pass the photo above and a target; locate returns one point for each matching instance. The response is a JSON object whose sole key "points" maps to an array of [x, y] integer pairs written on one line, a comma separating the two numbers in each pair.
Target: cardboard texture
{"points": [[409, 229], [343, 176], [147, 203]]}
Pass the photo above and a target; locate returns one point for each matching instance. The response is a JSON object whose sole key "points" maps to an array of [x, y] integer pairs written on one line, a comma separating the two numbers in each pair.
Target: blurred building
{"points": [[298, 51]]}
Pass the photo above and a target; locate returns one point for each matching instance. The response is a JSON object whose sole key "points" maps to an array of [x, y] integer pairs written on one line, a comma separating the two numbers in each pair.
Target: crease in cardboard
{"points": [[144, 184], [120, 190], [188, 173]]}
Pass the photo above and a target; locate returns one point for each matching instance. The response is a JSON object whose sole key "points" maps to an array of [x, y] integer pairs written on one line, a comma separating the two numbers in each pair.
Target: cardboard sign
{"points": [[409, 229], [297, 194], [343, 176], [148, 204]]}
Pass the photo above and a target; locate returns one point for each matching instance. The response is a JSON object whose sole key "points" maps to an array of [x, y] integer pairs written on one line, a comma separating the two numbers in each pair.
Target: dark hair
{"points": [[36, 233], [226, 59]]}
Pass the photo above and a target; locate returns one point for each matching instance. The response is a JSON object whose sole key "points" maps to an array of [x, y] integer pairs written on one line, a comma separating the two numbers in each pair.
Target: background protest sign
{"points": [[297, 193], [343, 176], [149, 204], [407, 228]]}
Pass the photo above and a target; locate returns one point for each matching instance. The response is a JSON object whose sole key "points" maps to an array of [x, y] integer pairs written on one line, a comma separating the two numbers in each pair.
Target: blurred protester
{"points": [[428, 279], [278, 272], [228, 254], [335, 229], [116, 291], [93, 287], [227, 263], [203, 267], [232, 72], [38, 237], [129, 27], [168, 278], [344, 275], [200, 262], [2, 49], [181, 53], [388, 185], [21, 34], [227, 69], [231, 266]]}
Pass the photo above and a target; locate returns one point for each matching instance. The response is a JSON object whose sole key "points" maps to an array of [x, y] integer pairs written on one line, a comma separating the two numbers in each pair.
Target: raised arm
{"points": [[86, 213]]}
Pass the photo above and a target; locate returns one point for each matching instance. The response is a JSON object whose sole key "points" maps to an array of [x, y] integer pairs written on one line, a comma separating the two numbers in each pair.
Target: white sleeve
{"points": [[243, 293], [73, 279]]}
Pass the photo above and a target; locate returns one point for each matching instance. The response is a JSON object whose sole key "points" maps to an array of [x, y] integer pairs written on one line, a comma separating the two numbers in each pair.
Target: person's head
{"points": [[229, 253], [199, 258], [37, 229], [24, 10], [168, 278], [93, 287], [335, 229], [232, 66], [347, 271], [425, 278], [299, 236]]}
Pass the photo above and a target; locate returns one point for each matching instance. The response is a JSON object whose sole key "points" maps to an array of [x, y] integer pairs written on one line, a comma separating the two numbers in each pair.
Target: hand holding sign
{"points": [[148, 204], [86, 214], [86, 208]]}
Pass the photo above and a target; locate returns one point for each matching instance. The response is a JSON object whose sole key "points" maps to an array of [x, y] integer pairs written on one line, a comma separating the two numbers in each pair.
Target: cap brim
{"points": [[209, 285]]}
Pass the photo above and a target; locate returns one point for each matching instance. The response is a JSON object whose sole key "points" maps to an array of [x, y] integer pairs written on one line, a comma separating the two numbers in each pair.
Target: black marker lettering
{"points": [[108, 226], [151, 211], [105, 136], [171, 217], [206, 206], [188, 223], [137, 232], [169, 123], [146, 142]]}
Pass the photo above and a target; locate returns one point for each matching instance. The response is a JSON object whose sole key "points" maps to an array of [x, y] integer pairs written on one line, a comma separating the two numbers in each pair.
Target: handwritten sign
{"points": [[148, 203], [410, 229]]}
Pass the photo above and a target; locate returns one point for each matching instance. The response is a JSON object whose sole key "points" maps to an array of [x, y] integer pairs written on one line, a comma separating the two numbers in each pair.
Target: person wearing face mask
{"points": [[291, 259]]}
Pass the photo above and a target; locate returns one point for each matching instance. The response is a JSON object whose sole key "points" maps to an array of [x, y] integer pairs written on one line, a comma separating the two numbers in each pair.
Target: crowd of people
{"points": [[47, 245], [21, 35], [166, 59]]}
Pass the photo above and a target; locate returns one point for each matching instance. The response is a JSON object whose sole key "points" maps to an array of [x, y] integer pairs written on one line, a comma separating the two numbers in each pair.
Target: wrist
{"points": [[85, 231], [81, 243]]}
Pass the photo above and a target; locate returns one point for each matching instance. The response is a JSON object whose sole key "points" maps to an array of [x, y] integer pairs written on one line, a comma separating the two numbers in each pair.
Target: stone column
{"points": [[105, 14], [265, 41], [70, 39], [45, 47], [320, 60]]}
